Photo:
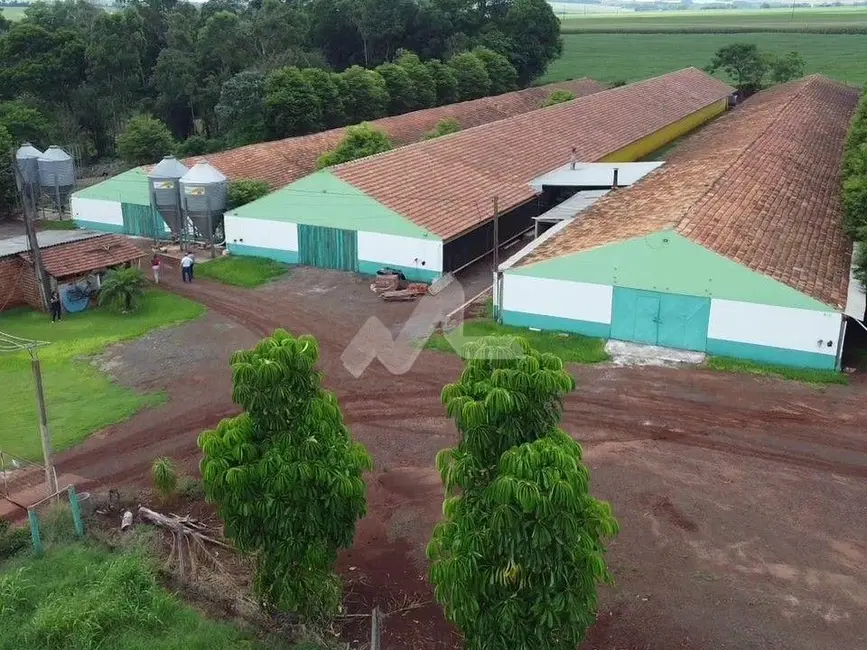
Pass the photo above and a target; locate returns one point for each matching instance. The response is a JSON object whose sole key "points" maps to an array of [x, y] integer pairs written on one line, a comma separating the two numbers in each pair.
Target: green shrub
{"points": [[165, 477], [12, 540], [558, 97], [191, 488], [443, 127]]}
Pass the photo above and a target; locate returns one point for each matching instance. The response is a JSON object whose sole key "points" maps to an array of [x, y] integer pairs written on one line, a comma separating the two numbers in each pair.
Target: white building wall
{"points": [[261, 233], [779, 327], [559, 298], [407, 252], [96, 211]]}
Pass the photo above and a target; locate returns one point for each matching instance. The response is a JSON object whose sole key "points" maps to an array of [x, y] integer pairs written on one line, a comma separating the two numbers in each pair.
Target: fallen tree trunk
{"points": [[181, 525]]}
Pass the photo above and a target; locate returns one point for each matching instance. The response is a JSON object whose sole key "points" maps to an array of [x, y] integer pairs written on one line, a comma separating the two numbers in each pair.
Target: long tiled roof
{"points": [[79, 257], [760, 186], [447, 185], [283, 161]]}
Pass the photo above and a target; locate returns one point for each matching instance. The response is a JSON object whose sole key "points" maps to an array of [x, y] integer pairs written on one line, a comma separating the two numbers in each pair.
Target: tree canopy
{"points": [[517, 558], [285, 475], [360, 141], [750, 68], [234, 73]]}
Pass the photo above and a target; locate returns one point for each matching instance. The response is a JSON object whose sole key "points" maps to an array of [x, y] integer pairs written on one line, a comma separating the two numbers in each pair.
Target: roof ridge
{"points": [[746, 150], [475, 129]]}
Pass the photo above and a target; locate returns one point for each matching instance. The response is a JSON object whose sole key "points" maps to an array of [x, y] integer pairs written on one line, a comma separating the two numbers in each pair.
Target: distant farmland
{"points": [[13, 13], [627, 47]]}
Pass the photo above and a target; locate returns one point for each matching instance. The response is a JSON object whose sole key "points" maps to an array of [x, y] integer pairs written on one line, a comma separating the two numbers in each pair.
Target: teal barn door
{"points": [[666, 319], [328, 248], [141, 220]]}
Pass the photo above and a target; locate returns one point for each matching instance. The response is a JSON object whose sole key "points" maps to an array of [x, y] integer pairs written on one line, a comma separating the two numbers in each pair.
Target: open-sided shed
{"points": [[428, 208], [735, 247]]}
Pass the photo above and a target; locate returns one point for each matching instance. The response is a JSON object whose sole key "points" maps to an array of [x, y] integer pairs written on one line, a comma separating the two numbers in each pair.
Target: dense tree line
{"points": [[226, 73], [855, 187]]}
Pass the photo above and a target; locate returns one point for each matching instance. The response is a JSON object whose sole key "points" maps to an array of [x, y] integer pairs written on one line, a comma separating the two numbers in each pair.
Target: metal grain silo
{"points": [[56, 175], [204, 189], [165, 192], [27, 164]]}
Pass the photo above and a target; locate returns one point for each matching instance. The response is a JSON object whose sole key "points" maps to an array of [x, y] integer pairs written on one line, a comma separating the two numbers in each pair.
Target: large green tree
{"points": [[366, 95], [144, 140], [502, 74], [744, 63], [423, 85], [520, 552], [286, 476], [241, 110], [398, 84], [471, 74], [291, 104]]}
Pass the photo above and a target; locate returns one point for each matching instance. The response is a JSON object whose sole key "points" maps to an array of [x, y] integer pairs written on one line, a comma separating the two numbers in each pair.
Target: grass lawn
{"points": [[630, 57], [241, 271], [79, 398], [83, 596], [56, 224], [572, 348], [780, 372]]}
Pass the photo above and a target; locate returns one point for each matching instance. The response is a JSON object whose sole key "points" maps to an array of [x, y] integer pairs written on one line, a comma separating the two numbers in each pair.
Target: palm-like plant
{"points": [[122, 289]]}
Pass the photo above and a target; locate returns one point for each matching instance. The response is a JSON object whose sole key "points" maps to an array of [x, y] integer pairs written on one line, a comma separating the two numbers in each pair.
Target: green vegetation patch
{"points": [[806, 375], [57, 224], [631, 57], [572, 348], [79, 398], [79, 597], [241, 271]]}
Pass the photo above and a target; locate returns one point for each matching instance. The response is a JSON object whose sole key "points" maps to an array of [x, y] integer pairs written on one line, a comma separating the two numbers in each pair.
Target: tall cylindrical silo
{"points": [[56, 175], [165, 191], [204, 190]]}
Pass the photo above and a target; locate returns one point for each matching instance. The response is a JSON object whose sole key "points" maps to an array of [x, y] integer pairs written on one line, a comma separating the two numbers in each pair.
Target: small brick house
{"points": [[68, 256]]}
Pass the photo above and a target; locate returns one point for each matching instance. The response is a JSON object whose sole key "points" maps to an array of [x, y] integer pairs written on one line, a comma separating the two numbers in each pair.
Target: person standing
{"points": [[156, 262], [187, 268], [54, 303]]}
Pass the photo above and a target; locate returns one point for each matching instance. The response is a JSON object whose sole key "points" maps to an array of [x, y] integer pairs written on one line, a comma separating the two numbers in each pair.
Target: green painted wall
{"points": [[128, 187], [668, 262], [322, 199]]}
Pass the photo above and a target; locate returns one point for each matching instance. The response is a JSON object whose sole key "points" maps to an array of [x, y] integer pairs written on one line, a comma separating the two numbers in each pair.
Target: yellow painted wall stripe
{"points": [[658, 139]]}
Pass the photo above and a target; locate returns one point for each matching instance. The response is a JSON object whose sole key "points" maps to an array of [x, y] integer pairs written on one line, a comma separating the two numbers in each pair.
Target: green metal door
{"points": [[141, 220], [327, 248], [666, 319], [683, 322], [635, 316]]}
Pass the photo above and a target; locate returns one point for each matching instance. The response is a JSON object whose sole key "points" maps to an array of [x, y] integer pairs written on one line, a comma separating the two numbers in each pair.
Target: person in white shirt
{"points": [[187, 268]]}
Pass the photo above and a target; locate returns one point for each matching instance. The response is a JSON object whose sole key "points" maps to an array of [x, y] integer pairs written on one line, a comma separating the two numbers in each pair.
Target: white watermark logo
{"points": [[399, 353]]}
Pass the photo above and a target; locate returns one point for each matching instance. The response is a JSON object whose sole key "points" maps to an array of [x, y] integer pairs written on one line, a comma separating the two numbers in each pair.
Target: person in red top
{"points": [[155, 267]]}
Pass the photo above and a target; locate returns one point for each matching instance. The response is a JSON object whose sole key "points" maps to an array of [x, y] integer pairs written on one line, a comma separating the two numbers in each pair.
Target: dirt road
{"points": [[741, 500]]}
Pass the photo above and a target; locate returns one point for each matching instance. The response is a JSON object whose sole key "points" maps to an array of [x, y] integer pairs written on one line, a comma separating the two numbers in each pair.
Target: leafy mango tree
{"points": [[286, 476], [519, 555]]}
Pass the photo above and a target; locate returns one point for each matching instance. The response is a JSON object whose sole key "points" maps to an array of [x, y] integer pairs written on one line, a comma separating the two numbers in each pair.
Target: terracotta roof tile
{"points": [[281, 162], [760, 186], [447, 185], [79, 257]]}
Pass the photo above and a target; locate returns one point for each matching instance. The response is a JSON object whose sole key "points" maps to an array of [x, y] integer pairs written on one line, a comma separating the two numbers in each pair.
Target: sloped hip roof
{"points": [[760, 186], [80, 257], [447, 185]]}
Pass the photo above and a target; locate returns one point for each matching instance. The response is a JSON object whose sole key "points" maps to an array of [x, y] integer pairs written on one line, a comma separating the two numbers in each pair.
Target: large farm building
{"points": [[734, 247], [122, 204], [427, 208]]}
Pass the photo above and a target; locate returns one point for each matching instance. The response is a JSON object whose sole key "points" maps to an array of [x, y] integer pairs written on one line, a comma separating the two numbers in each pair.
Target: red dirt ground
{"points": [[741, 500]]}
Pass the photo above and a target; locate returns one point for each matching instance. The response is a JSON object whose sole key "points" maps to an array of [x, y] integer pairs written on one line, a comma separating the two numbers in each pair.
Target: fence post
{"points": [[38, 548], [75, 506], [374, 629]]}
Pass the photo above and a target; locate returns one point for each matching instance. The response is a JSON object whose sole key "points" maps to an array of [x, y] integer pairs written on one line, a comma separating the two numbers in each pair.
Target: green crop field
{"points": [[629, 46], [630, 57], [13, 13], [819, 20]]}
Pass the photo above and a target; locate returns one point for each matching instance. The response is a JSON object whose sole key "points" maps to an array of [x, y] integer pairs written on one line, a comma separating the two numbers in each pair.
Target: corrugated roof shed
{"points": [[760, 186], [45, 239], [446, 185], [79, 257], [282, 161]]}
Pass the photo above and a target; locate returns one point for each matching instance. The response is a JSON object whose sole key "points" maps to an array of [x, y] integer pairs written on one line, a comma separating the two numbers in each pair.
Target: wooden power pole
{"points": [[44, 430]]}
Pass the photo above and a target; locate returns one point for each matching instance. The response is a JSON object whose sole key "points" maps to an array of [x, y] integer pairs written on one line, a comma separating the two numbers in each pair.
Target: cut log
{"points": [[181, 525], [397, 296]]}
